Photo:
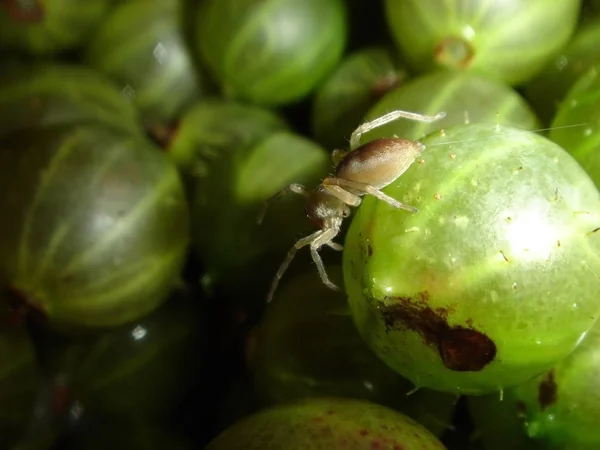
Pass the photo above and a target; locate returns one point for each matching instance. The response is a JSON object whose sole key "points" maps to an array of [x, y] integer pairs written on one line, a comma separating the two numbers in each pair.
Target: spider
{"points": [[362, 170]]}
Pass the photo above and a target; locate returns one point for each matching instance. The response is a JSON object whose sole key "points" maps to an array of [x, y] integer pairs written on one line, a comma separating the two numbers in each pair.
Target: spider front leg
{"points": [[332, 183], [387, 118], [288, 259], [334, 245], [324, 239], [295, 188]]}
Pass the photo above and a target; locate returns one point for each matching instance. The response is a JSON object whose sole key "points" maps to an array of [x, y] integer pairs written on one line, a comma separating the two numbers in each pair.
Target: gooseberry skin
{"points": [[142, 46], [547, 90], [36, 95], [307, 346], [96, 224], [47, 27], [464, 97], [326, 423], [581, 106], [510, 41], [234, 157], [271, 52], [558, 409], [494, 280], [341, 101]]}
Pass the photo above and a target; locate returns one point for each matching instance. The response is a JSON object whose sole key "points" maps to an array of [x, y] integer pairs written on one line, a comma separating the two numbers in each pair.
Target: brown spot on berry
{"points": [[162, 134], [370, 250], [462, 349], [386, 83], [547, 391], [466, 350], [363, 432], [375, 445]]}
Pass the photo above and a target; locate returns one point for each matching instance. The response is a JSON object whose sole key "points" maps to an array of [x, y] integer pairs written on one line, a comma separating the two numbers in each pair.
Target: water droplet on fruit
{"points": [[561, 62], [139, 332], [468, 32], [128, 92], [160, 53]]}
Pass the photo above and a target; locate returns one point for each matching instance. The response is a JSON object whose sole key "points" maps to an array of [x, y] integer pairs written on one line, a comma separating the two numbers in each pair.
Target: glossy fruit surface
{"points": [[142, 47], [307, 346], [214, 127], [341, 102], [464, 97], [510, 41], [491, 282], [560, 408], [95, 224], [547, 90], [271, 52], [239, 157], [499, 424], [39, 95], [326, 424], [142, 369], [581, 107], [43, 27]]}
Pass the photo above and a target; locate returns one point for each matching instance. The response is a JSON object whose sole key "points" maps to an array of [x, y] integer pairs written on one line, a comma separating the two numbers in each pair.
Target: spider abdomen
{"points": [[379, 162]]}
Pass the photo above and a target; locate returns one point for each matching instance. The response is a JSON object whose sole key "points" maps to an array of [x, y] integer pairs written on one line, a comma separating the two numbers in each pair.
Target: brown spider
{"points": [[362, 170]]}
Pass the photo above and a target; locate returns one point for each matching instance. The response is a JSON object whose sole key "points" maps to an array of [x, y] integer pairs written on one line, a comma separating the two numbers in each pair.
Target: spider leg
{"points": [[324, 238], [288, 259], [367, 189], [295, 188], [347, 197], [387, 118], [334, 245]]}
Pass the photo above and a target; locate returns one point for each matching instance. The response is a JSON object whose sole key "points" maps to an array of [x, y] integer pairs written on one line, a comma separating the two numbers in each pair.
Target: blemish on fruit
{"points": [[521, 409], [437, 196], [363, 432], [594, 230], [547, 391], [385, 84], [466, 350], [461, 349], [452, 155], [420, 160], [369, 249], [504, 256], [517, 170]]}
